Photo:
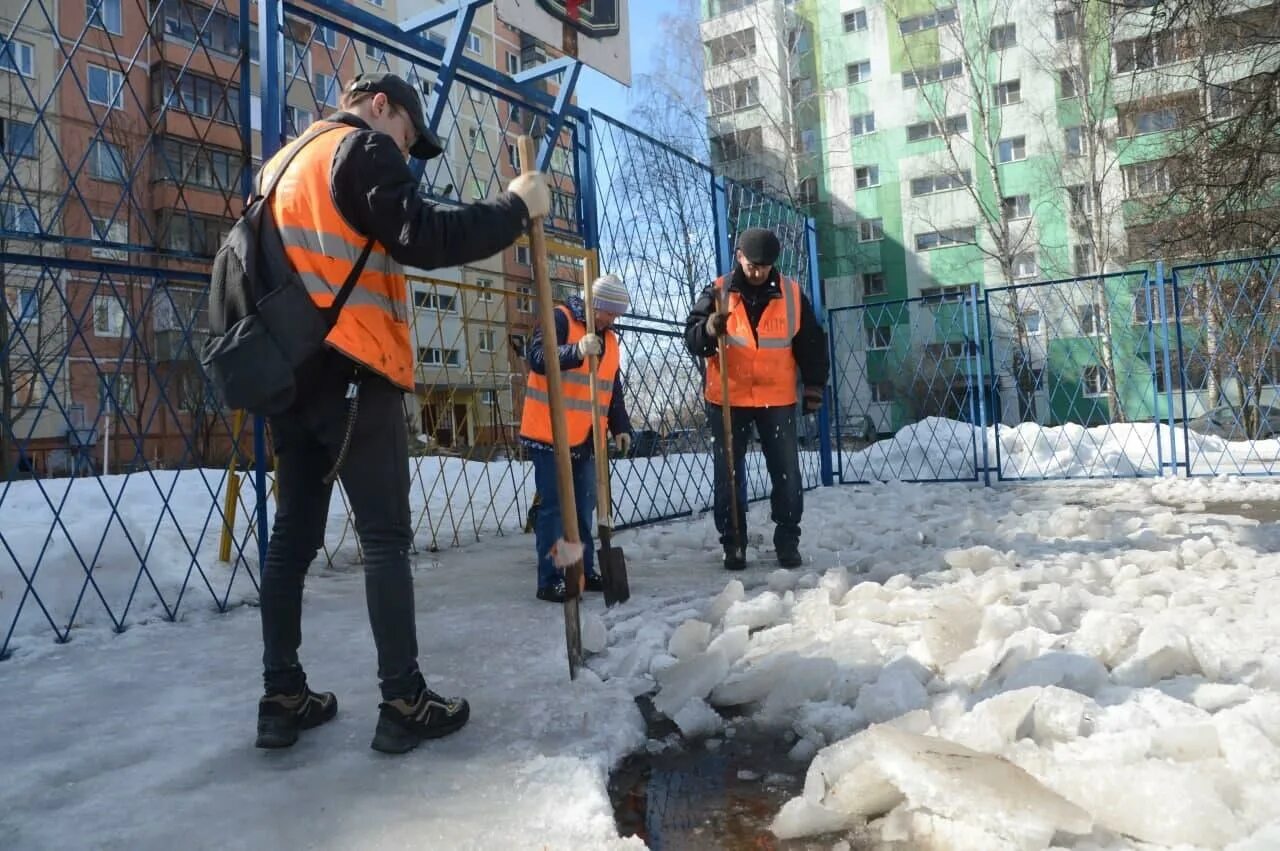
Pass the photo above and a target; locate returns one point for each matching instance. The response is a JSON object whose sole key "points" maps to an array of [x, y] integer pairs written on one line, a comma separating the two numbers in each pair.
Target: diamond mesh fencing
{"points": [[129, 135]]}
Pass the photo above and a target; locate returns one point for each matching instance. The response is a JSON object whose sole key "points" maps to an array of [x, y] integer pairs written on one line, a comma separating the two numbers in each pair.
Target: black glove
{"points": [[812, 399]]}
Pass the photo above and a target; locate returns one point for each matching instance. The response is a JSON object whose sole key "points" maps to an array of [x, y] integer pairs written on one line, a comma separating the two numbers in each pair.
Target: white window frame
{"points": [[15, 213], [489, 397], [874, 227], [867, 278], [115, 231], [27, 309], [868, 122], [115, 80], [333, 89], [1020, 210], [513, 64], [23, 60], [1066, 141], [1013, 149], [522, 255], [474, 45], [878, 393], [1025, 266], [853, 72], [872, 175], [524, 299], [486, 341], [875, 343], [856, 17], [93, 10], [96, 153], [1094, 381], [1008, 92], [998, 44], [116, 386], [108, 317], [486, 289]]}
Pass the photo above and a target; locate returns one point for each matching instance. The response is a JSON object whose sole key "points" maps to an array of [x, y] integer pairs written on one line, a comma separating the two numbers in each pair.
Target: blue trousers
{"points": [[548, 526]]}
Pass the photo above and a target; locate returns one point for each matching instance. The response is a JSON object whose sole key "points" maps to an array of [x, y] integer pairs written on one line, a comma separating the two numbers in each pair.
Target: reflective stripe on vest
{"points": [[373, 327], [762, 367], [575, 384]]}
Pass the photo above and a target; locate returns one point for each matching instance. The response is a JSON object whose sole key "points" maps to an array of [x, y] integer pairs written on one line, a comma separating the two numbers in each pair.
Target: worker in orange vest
{"points": [[349, 197], [573, 346], [774, 344]]}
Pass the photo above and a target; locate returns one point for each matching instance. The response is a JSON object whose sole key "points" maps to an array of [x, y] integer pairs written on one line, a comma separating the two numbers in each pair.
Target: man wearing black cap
{"points": [[773, 343], [349, 203]]}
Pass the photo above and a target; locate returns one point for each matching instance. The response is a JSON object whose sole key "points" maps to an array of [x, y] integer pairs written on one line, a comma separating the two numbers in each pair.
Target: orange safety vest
{"points": [[535, 420], [762, 367], [373, 327]]}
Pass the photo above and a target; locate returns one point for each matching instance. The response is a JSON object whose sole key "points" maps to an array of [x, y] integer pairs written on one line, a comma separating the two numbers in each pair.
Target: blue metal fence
{"points": [[130, 135], [1120, 375]]}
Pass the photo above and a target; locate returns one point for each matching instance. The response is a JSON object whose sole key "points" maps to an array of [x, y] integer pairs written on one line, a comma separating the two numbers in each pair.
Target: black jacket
{"points": [[375, 191], [809, 345]]}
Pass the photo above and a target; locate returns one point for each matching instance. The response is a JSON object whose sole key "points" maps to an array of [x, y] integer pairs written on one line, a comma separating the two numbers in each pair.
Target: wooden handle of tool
{"points": [[726, 414], [551, 354]]}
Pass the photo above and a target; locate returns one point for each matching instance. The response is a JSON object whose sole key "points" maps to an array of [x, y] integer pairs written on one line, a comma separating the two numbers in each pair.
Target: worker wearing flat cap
{"points": [[774, 344]]}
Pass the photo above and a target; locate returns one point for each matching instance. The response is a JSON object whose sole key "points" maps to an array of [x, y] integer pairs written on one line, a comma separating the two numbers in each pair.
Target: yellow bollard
{"points": [[233, 492]]}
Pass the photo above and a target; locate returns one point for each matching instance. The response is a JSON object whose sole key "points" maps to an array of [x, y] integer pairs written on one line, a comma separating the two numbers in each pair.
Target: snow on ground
{"points": [[1083, 665]]}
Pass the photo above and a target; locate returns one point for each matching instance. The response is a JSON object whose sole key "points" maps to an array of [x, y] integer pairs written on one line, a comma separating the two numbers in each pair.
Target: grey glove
{"points": [[534, 192], [590, 346]]}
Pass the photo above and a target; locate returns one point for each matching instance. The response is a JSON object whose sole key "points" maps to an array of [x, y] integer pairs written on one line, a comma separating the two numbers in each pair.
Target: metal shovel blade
{"points": [[613, 572]]}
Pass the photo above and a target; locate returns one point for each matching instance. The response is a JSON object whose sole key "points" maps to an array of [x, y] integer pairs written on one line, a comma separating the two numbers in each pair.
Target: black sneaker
{"points": [[552, 593], [403, 724], [735, 558], [281, 716], [789, 557], [594, 582]]}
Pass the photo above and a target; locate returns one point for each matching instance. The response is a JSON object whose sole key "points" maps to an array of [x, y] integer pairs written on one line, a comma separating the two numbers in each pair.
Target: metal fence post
{"points": [[1155, 386], [820, 310], [982, 388], [1168, 384], [720, 214], [989, 337]]}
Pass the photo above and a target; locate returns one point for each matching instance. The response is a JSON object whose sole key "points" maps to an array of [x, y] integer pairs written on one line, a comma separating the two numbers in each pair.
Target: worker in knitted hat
{"points": [[773, 344], [575, 343]]}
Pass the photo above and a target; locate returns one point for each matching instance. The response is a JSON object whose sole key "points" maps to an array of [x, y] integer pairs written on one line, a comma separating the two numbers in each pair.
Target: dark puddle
{"points": [[691, 796]]}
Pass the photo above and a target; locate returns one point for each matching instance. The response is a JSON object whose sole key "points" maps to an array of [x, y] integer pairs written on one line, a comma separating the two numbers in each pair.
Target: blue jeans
{"points": [[781, 449], [548, 527]]}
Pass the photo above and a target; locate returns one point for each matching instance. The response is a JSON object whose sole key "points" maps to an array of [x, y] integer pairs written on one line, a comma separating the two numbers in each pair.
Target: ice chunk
{"points": [[764, 610], [754, 683], [595, 635], [1061, 715], [805, 679], [976, 559], [983, 791], [733, 643], [782, 580], [950, 630], [1106, 636], [1151, 800], [1188, 743], [1214, 696], [836, 582], [696, 720], [800, 817], [996, 721], [732, 593], [1083, 674], [803, 750], [895, 692], [691, 678], [1266, 838], [1163, 651], [690, 638]]}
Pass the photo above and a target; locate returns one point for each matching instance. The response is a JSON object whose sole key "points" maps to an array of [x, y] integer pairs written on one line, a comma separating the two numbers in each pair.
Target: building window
{"points": [[945, 238], [740, 95], [517, 343], [879, 337], [1083, 260], [1008, 93], [737, 145], [1067, 84], [108, 316], [473, 43], [1080, 199], [1024, 265], [513, 64], [115, 393], [1095, 381], [17, 138], [1003, 37], [106, 162], [432, 356], [871, 230], [193, 165], [953, 125], [731, 47], [927, 22], [855, 21], [199, 95], [939, 352], [375, 53], [866, 176], [105, 15], [808, 193], [522, 255], [489, 397], [938, 295], [486, 341], [378, 3], [1031, 321], [881, 393], [192, 234], [439, 302], [1153, 51], [327, 89], [858, 72], [1149, 178], [486, 289], [327, 36], [27, 308], [940, 182], [1074, 140], [297, 120], [1016, 207], [116, 232], [1065, 24], [861, 125], [524, 299], [933, 74], [1150, 121], [17, 57], [106, 87], [17, 217], [872, 283], [1013, 149]]}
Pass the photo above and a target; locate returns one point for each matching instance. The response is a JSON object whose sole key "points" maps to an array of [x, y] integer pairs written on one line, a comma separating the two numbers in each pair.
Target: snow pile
{"points": [[1058, 673]]}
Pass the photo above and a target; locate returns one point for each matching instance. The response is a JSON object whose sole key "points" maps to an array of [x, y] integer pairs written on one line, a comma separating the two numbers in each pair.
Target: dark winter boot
{"points": [[404, 723], [789, 555], [552, 593], [735, 557], [594, 583], [281, 717]]}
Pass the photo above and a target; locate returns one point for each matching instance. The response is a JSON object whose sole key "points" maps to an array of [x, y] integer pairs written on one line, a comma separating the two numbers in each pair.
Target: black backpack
{"points": [[264, 325]]}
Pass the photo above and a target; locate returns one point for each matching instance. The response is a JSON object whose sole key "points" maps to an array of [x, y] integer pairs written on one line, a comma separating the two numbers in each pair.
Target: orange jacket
{"points": [[762, 367], [535, 419], [373, 327]]}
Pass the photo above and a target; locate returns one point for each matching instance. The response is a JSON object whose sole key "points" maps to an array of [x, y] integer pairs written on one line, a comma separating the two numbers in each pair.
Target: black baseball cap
{"points": [[406, 97], [759, 246]]}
